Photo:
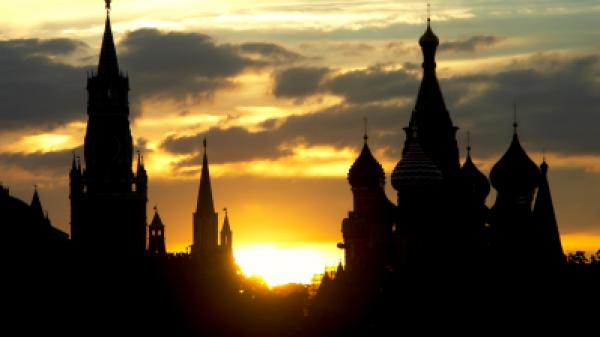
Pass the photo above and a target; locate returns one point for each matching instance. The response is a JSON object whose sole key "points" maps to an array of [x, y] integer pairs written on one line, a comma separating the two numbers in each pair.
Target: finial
{"points": [[225, 210], [204, 143], [107, 6], [155, 208], [515, 124], [139, 156], [35, 187], [366, 136], [428, 12], [468, 143]]}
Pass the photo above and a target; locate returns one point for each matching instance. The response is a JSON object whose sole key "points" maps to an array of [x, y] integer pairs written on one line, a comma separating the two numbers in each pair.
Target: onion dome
{"points": [[429, 39], [472, 180], [415, 168], [366, 170], [515, 170]]}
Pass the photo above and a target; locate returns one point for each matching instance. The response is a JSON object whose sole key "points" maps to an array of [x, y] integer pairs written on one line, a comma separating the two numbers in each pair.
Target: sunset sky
{"points": [[280, 90]]}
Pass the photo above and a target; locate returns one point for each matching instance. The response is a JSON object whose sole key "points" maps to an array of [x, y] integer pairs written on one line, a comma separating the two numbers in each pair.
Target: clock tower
{"points": [[108, 201]]}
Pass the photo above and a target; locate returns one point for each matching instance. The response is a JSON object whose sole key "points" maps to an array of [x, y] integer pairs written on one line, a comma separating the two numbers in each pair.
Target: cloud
{"points": [[374, 84], [270, 53], [35, 89], [55, 163], [471, 44], [559, 111], [299, 82]]}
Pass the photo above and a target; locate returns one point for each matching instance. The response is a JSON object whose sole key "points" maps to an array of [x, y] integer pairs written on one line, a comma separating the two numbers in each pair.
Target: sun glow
{"points": [[279, 264]]}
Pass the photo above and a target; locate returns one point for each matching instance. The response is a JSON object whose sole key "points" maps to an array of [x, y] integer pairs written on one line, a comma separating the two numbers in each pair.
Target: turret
{"points": [[156, 236], [226, 236]]}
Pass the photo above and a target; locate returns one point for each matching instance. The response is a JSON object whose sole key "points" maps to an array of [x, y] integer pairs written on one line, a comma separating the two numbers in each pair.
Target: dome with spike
{"points": [[473, 181], [515, 170], [366, 170], [429, 39], [415, 168]]}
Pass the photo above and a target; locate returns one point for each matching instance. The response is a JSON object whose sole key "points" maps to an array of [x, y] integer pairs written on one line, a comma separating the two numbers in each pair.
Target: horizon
{"points": [[293, 96]]}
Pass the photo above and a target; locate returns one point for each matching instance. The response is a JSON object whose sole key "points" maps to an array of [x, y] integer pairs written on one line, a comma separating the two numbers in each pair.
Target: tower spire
{"points": [[366, 136], [428, 12], [468, 143], [108, 65], [515, 124]]}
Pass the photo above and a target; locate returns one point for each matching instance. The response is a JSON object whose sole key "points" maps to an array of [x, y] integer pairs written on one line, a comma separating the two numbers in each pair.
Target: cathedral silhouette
{"points": [[436, 246], [441, 205]]}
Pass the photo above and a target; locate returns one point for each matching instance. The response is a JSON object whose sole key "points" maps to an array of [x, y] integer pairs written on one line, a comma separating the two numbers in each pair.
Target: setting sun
{"points": [[279, 264]]}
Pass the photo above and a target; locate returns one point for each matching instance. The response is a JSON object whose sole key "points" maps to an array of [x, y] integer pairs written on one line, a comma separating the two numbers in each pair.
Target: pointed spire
{"points": [[205, 205], [515, 124], [428, 13], [74, 163], [544, 216], [79, 164], [366, 136], [226, 226], [468, 144], [108, 66], [156, 220], [36, 205]]}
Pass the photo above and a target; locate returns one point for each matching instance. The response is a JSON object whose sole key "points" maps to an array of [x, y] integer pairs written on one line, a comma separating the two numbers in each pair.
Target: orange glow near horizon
{"points": [[283, 263]]}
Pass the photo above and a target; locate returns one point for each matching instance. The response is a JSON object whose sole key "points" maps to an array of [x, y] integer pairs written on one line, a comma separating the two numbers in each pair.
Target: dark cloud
{"points": [[178, 65], [39, 90], [338, 126], [374, 84], [55, 163], [559, 110], [35, 90], [471, 44], [299, 82], [270, 53]]}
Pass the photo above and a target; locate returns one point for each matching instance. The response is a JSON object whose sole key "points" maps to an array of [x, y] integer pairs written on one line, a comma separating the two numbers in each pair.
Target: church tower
{"points": [[544, 219], [367, 230], [206, 226], [108, 202], [156, 236], [437, 133], [226, 237], [516, 177]]}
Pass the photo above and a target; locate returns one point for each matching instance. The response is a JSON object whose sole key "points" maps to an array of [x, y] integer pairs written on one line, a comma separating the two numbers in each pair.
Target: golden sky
{"points": [[280, 89]]}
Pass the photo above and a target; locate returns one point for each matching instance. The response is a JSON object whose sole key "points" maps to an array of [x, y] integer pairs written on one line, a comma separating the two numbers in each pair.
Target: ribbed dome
{"points": [[429, 39], [473, 181], [515, 170], [415, 168], [366, 170]]}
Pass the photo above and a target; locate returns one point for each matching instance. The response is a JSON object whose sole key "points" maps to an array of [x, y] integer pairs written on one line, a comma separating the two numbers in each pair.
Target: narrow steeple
{"points": [[205, 205], [36, 205], [108, 66], [437, 133], [550, 245], [226, 228]]}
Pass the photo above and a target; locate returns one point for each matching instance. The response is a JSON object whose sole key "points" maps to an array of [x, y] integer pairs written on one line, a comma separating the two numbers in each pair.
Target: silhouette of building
{"points": [[206, 247], [108, 201], [156, 236], [441, 206], [26, 228]]}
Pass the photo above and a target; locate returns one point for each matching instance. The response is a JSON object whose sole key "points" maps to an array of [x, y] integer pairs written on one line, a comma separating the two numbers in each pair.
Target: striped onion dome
{"points": [[415, 168]]}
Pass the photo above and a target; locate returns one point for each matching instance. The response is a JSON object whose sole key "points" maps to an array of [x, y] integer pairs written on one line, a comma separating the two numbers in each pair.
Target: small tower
{"points": [[549, 245], [515, 176], [156, 236], [206, 225], [474, 189], [226, 236], [141, 177], [367, 230]]}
